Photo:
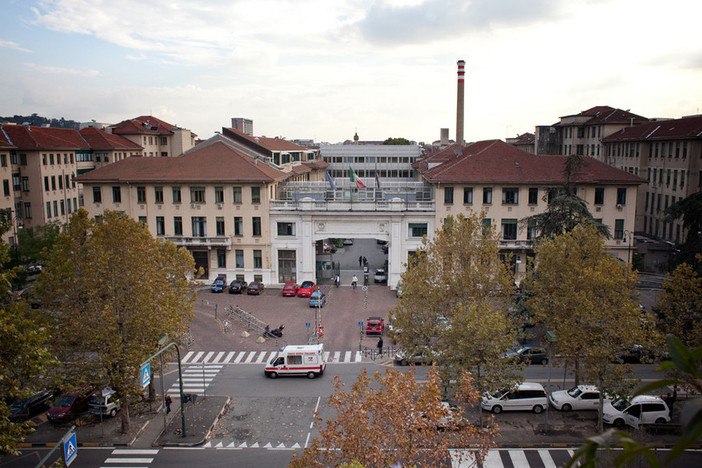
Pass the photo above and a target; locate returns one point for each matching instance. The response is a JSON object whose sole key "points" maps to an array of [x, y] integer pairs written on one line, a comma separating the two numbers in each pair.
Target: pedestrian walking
{"points": [[168, 404], [337, 280], [365, 261], [354, 281], [380, 345], [360, 261]]}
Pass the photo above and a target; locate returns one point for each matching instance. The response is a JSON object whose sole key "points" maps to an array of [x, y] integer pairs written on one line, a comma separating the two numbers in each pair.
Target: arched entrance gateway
{"points": [[367, 223]]}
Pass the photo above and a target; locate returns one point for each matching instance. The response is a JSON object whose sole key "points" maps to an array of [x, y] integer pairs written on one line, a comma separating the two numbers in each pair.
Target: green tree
{"points": [[680, 305], [587, 298], [455, 295], [111, 291], [34, 240], [23, 353], [565, 209], [397, 141], [690, 210], [394, 419]]}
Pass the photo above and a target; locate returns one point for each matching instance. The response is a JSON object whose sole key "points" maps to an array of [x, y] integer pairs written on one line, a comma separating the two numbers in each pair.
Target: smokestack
{"points": [[459, 103]]}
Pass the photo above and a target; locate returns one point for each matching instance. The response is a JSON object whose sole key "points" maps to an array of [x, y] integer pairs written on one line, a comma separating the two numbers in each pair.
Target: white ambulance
{"points": [[297, 360]]}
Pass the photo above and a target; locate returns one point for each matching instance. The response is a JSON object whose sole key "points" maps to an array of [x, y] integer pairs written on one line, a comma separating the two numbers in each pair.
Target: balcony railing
{"points": [[218, 241], [339, 205]]}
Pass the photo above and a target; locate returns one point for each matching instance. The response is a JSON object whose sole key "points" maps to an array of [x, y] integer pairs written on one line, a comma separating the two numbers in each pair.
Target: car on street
{"points": [[306, 289], [70, 405], [642, 409], [380, 276], [527, 396], [530, 354], [375, 326], [318, 299], [348, 241], [105, 403], [254, 288], [26, 408], [218, 285], [237, 286], [580, 397], [637, 354], [290, 290]]}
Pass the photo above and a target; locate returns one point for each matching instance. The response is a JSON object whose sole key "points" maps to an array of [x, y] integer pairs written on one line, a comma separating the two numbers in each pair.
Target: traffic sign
{"points": [[365, 288], [146, 374], [70, 449]]}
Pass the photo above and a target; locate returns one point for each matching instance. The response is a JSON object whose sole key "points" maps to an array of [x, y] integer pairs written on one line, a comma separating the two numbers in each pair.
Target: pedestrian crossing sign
{"points": [[70, 449], [146, 374]]}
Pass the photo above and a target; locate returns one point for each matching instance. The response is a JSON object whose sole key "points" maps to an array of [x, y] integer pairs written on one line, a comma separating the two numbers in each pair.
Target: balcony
{"points": [[309, 204], [516, 244], [209, 242]]}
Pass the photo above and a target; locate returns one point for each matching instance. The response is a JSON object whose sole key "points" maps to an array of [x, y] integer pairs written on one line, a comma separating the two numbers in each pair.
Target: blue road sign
{"points": [[70, 449], [146, 374], [307, 324], [365, 288]]}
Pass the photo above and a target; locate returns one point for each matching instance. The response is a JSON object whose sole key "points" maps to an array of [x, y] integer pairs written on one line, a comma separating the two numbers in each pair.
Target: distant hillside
{"points": [[39, 121]]}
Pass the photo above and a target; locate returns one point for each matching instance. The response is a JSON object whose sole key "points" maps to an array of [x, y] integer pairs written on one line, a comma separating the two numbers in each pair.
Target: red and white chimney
{"points": [[459, 103]]}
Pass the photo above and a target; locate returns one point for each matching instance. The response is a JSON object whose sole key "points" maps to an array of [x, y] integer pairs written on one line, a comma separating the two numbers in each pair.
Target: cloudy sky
{"points": [[324, 69]]}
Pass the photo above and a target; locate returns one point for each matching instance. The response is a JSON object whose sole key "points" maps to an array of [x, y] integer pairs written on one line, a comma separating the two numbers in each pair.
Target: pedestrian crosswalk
{"points": [[196, 379], [261, 357], [130, 457]]}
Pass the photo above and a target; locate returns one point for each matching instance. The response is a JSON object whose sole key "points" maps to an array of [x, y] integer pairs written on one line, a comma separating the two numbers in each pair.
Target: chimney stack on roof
{"points": [[459, 103]]}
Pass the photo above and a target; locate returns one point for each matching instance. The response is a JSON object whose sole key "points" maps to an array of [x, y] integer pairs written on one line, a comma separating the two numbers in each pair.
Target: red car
{"points": [[306, 289], [375, 326], [289, 289], [69, 405]]}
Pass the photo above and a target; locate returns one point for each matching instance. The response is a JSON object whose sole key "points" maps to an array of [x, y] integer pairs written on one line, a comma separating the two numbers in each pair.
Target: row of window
{"points": [[370, 159], [381, 173], [50, 182], [667, 172], [60, 207], [583, 132], [199, 226], [151, 139], [510, 195], [256, 256], [654, 201], [49, 159], [197, 194], [661, 228]]}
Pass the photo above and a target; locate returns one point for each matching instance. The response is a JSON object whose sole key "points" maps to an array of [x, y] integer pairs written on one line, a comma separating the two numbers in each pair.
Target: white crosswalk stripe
{"points": [[260, 357], [133, 458], [196, 379]]}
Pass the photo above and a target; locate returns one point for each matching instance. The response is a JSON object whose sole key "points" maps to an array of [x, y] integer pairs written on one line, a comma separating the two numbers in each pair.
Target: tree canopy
{"points": [[680, 305], [23, 355], [690, 210], [110, 291], [587, 298], [397, 141], [394, 419], [455, 295]]}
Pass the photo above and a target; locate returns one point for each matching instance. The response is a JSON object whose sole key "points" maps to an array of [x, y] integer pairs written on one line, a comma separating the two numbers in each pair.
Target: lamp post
{"points": [[551, 338]]}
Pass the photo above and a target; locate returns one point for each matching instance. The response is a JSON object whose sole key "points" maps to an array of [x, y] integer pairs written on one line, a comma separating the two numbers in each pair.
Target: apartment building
{"points": [[213, 200], [387, 162], [278, 151], [509, 185], [582, 133], [668, 154], [156, 137], [243, 125]]}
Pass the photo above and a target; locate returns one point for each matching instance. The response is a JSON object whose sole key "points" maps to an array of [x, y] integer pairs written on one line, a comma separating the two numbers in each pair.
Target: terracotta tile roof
{"points": [[145, 124], [684, 128], [100, 139], [211, 163], [609, 115], [271, 144], [523, 139], [38, 138], [438, 157], [4, 142], [499, 162]]}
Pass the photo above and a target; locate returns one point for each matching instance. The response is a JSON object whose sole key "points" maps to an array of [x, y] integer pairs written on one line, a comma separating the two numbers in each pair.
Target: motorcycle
{"points": [[275, 333]]}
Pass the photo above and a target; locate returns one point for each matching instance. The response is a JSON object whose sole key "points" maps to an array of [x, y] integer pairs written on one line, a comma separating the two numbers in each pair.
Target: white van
{"points": [[297, 360], [643, 409], [528, 396]]}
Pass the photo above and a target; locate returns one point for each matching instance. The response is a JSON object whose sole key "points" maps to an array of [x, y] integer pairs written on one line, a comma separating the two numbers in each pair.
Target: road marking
{"points": [[197, 356], [337, 355], [187, 356], [239, 357], [359, 356], [347, 356], [218, 357], [230, 356], [250, 357], [208, 356], [546, 459], [518, 457]]}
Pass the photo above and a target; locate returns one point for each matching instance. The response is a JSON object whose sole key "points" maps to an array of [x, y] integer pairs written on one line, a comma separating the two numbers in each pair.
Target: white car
{"points": [[643, 409], [580, 397], [380, 276], [528, 396]]}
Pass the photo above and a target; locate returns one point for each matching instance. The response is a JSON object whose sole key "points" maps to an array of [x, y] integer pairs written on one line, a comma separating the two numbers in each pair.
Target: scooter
{"points": [[275, 333]]}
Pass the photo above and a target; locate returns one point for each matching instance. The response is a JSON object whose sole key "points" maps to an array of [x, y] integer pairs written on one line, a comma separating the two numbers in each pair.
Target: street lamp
{"points": [[551, 338]]}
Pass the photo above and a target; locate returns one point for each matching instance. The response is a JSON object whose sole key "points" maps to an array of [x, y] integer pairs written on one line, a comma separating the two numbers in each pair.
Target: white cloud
{"points": [[13, 45], [59, 70]]}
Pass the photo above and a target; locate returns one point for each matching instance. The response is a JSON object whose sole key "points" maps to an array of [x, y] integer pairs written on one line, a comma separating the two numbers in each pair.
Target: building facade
{"points": [[387, 162], [156, 137]]}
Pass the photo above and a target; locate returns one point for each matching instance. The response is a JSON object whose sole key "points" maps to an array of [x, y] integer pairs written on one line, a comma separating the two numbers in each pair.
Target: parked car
{"points": [[290, 290], [255, 287], [237, 286], [580, 397], [420, 358], [380, 276], [306, 289], [105, 403], [528, 396], [30, 406], [637, 354], [218, 285], [375, 326], [348, 241], [642, 409], [69, 405], [318, 299], [530, 354]]}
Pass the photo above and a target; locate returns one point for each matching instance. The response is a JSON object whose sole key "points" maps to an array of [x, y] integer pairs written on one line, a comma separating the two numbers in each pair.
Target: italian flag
{"points": [[359, 183]]}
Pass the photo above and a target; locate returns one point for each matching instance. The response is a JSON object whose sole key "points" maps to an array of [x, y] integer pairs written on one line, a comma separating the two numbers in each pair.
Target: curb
{"points": [[205, 437]]}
